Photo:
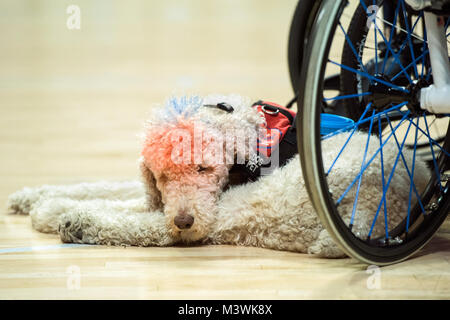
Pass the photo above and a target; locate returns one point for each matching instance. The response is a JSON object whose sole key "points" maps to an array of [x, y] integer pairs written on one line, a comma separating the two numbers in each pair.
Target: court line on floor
{"points": [[43, 248]]}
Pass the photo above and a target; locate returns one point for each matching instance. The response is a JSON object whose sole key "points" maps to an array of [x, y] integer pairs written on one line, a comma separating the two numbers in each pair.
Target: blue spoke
{"points": [[436, 168], [364, 6], [409, 38], [431, 139], [412, 177], [395, 55], [382, 177], [376, 41], [391, 36], [373, 157], [354, 50], [348, 139], [348, 96], [405, 42], [420, 16], [332, 134], [389, 182], [368, 76], [355, 203], [422, 56], [407, 168]]}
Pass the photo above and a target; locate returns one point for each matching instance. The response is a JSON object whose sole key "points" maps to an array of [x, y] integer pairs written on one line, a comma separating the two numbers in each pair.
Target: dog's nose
{"points": [[184, 221]]}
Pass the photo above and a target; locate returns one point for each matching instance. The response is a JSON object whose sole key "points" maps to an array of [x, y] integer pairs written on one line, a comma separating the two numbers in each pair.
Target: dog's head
{"points": [[189, 172], [186, 162]]}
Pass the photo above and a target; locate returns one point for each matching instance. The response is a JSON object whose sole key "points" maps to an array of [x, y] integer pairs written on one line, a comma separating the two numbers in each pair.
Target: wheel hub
{"points": [[383, 96]]}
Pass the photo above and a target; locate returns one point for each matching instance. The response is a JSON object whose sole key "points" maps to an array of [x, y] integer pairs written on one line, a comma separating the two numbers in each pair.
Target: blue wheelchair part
{"points": [[330, 123]]}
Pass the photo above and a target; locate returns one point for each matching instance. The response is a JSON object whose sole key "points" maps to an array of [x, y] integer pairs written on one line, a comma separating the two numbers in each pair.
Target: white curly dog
{"points": [[191, 202]]}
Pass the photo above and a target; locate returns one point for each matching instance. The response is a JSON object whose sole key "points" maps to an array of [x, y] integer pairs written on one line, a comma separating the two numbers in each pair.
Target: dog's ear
{"points": [[153, 194]]}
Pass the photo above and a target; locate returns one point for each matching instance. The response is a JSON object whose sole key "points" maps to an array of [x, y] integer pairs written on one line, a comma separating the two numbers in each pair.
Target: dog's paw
{"points": [[44, 214], [70, 228], [325, 247], [22, 201]]}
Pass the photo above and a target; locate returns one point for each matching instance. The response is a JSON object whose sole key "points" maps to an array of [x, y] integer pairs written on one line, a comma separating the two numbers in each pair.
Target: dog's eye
{"points": [[162, 178], [202, 169]]}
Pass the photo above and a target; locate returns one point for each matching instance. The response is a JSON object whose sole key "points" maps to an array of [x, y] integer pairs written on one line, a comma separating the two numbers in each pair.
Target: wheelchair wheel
{"points": [[391, 206]]}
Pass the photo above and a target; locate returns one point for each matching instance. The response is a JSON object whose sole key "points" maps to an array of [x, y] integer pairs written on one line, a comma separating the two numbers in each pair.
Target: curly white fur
{"points": [[273, 212]]}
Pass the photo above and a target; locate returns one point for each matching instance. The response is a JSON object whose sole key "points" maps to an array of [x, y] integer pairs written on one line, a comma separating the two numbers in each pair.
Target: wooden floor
{"points": [[71, 105]]}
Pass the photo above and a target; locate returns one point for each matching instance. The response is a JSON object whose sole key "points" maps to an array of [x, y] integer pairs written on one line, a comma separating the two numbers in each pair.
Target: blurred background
{"points": [[72, 101]]}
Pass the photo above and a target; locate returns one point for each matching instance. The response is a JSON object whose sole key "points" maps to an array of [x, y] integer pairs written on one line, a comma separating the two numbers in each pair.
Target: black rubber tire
{"points": [[298, 37]]}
